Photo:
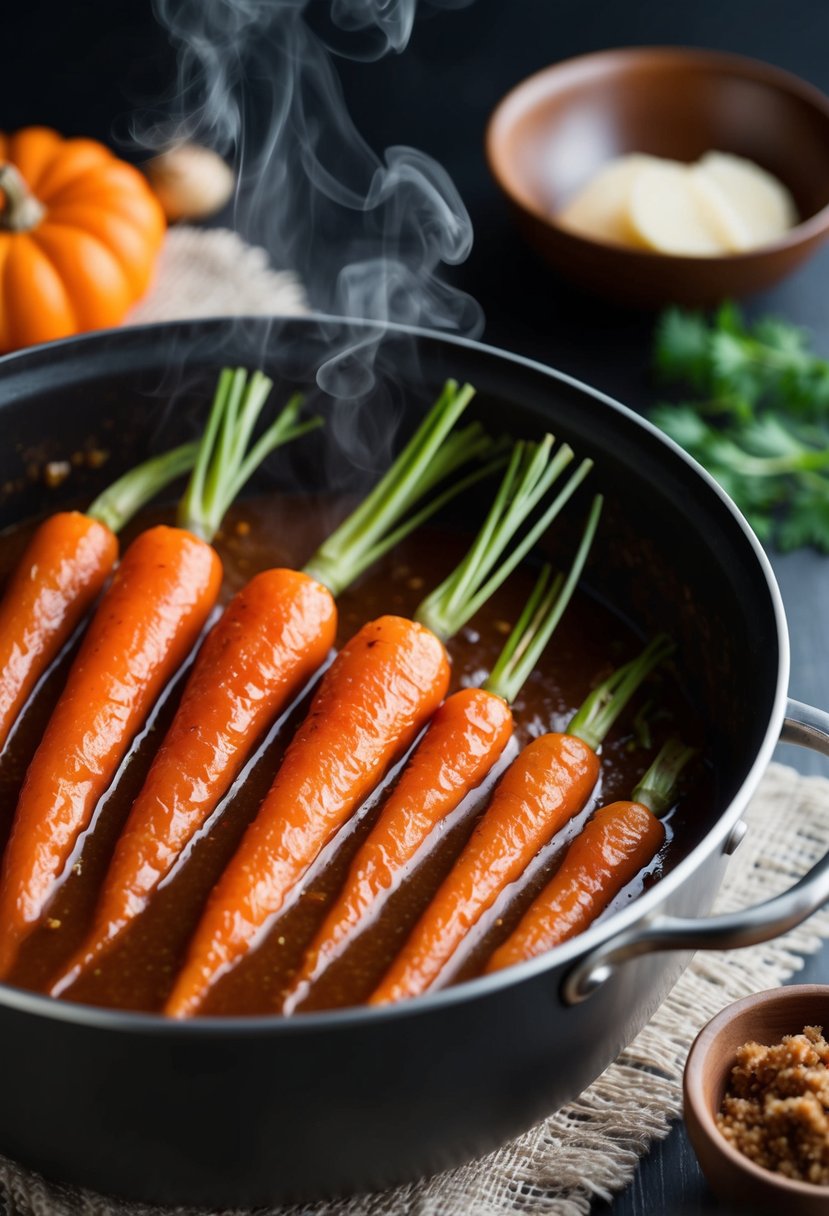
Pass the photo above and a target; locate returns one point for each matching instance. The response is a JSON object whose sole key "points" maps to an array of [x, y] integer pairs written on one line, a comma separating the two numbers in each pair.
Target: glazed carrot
{"points": [[127, 657], [61, 574], [143, 629], [381, 690], [461, 744], [463, 741], [548, 783], [275, 633], [615, 845]]}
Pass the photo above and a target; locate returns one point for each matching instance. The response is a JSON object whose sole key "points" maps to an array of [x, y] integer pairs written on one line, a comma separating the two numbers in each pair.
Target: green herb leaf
{"points": [[681, 350], [782, 336], [806, 523], [761, 422]]}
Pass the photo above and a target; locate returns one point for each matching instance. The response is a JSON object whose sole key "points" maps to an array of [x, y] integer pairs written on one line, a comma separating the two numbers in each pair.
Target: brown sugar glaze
{"points": [[283, 530]]}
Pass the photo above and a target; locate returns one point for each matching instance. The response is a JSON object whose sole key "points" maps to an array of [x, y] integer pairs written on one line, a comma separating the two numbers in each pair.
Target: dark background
{"points": [[84, 67]]}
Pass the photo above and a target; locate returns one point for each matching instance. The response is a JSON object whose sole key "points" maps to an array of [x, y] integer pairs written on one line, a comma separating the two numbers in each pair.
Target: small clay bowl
{"points": [[764, 1018], [550, 135]]}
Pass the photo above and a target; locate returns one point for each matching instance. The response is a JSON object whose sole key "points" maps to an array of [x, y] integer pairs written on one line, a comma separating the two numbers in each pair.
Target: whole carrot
{"points": [[463, 741], [62, 572], [274, 634], [461, 744], [615, 845], [548, 783], [144, 627], [124, 662], [392, 676], [370, 705]]}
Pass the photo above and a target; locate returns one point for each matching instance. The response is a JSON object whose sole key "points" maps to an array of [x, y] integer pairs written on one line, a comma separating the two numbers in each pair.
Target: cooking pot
{"points": [[225, 1112]]}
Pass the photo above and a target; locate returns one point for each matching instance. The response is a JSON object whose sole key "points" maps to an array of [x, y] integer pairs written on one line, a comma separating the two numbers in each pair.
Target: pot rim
{"points": [[559, 957]]}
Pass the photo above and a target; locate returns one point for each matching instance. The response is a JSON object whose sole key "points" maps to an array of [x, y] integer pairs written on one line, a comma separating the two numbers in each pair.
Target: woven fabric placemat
{"points": [[210, 272], [589, 1148]]}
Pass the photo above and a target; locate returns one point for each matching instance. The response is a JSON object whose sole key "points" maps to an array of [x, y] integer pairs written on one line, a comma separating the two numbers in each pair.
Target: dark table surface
{"points": [[94, 60]]}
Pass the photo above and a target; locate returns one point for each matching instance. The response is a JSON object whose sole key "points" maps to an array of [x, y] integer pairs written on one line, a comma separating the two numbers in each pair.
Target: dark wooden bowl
{"points": [[549, 135], [764, 1017]]}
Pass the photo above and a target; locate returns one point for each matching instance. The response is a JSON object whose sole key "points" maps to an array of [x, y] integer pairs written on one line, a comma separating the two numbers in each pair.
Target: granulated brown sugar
{"points": [[776, 1106]]}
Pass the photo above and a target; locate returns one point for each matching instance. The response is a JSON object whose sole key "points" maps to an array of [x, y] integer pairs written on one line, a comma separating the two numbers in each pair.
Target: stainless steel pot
{"points": [[226, 1112]]}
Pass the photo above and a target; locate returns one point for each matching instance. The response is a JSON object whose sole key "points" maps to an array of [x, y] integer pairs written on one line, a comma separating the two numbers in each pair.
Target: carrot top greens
{"points": [[542, 613], [532, 470], [657, 788], [382, 519], [117, 504], [226, 457], [604, 704]]}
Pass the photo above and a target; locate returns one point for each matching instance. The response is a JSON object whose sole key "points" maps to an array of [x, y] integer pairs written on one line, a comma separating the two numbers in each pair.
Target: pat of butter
{"points": [[764, 204], [600, 209], [722, 204], [674, 209]]}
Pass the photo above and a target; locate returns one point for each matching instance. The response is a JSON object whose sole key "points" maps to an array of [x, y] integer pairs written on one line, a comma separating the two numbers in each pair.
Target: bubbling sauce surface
{"points": [[283, 530]]}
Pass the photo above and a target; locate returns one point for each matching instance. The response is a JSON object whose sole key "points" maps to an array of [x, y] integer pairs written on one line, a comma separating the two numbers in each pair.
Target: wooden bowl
{"points": [[764, 1018], [551, 134]]}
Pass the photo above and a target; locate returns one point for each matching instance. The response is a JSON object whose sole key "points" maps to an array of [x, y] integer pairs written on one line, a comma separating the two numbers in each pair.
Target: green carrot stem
{"points": [[217, 461], [450, 593], [191, 502], [541, 597], [465, 609], [604, 704], [400, 481], [118, 503], [226, 459], [284, 429], [537, 623], [432, 454], [657, 789], [532, 470], [469, 444], [432, 507]]}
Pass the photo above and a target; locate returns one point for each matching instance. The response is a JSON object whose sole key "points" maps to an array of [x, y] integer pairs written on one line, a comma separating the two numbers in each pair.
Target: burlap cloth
{"points": [[211, 272], [591, 1147]]}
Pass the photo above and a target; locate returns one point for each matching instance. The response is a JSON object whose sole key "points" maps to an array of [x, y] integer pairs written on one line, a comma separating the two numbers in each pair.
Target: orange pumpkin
{"points": [[79, 235]]}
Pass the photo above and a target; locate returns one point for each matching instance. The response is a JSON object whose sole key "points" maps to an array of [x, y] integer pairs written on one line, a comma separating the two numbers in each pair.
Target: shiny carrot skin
{"points": [[613, 847], [382, 688], [143, 629], [460, 746], [61, 574], [273, 636], [56, 582], [548, 783], [275, 633]]}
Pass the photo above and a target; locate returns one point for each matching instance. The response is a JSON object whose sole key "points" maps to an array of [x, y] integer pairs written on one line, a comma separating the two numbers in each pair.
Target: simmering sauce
{"points": [[283, 530]]}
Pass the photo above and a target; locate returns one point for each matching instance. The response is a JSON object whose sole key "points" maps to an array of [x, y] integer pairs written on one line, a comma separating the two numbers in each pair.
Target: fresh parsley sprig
{"points": [[758, 419]]}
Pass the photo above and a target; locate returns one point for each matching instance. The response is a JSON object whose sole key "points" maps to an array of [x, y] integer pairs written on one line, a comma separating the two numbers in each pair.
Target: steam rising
{"points": [[367, 235]]}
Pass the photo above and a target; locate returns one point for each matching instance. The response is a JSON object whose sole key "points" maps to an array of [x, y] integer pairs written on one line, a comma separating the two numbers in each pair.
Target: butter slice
{"points": [[764, 205], [672, 213], [600, 209], [723, 204]]}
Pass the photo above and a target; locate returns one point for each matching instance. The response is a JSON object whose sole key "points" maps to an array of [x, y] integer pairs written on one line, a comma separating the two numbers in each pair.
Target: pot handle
{"points": [[805, 726]]}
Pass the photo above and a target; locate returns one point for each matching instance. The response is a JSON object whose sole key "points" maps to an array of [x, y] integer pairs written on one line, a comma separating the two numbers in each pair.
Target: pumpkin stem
{"points": [[20, 210]]}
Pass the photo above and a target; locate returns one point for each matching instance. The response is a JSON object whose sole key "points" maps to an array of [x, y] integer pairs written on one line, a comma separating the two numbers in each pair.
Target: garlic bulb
{"points": [[190, 181]]}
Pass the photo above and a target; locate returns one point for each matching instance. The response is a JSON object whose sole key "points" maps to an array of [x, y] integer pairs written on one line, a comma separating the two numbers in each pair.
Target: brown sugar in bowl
{"points": [[765, 1018], [551, 134]]}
